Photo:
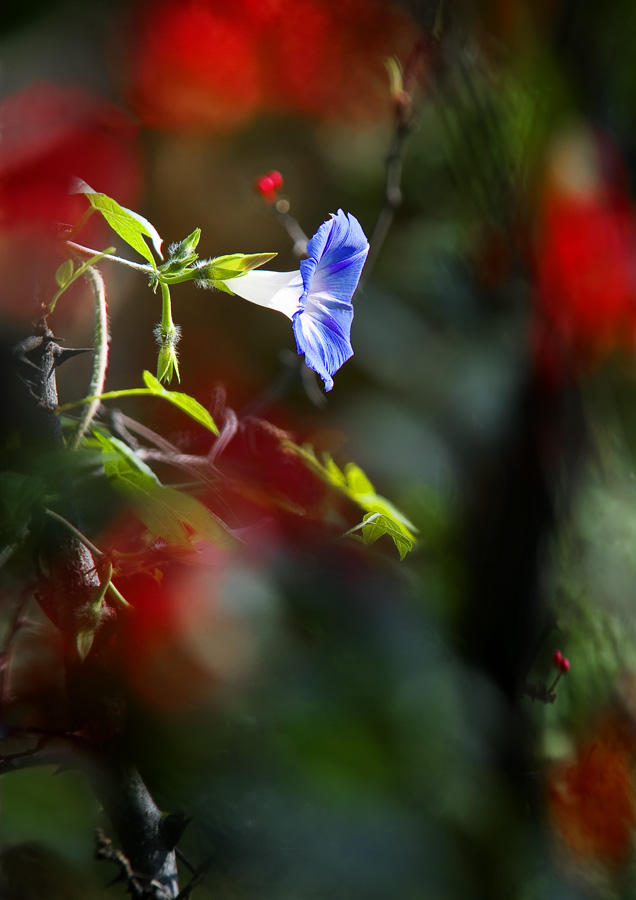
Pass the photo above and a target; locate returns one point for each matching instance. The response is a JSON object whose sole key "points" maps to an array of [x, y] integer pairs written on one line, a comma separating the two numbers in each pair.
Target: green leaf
{"points": [[192, 516], [120, 461], [129, 225], [357, 481], [18, 493], [64, 273], [376, 524], [382, 517], [184, 402], [166, 512]]}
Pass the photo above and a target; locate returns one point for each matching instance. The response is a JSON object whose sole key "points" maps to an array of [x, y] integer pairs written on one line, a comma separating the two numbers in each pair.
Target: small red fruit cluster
{"points": [[561, 662], [268, 185]]}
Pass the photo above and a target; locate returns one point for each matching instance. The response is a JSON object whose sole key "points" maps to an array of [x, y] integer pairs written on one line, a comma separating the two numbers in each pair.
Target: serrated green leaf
{"points": [[64, 273], [334, 474], [129, 225], [357, 481], [120, 461], [154, 388], [376, 524], [184, 402], [382, 517]]}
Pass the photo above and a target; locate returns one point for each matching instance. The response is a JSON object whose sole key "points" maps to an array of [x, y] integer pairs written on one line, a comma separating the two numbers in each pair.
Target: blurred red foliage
{"points": [[591, 801], [195, 66], [156, 648], [585, 259], [209, 66], [50, 134]]}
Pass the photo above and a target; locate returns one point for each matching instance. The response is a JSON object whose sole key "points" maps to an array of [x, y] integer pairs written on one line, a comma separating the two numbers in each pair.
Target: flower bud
{"points": [[167, 362], [212, 273], [181, 255]]}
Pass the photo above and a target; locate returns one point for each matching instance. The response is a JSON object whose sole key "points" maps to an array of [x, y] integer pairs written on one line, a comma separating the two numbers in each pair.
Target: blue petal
{"points": [[322, 327], [337, 253], [322, 331]]}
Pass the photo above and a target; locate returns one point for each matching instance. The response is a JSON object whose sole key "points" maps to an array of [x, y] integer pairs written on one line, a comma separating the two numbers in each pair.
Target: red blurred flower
{"points": [[207, 65], [585, 254], [330, 57], [51, 134], [591, 801], [196, 66]]}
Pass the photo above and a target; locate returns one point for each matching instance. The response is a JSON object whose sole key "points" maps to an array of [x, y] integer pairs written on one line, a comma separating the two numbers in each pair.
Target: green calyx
{"points": [[214, 272]]}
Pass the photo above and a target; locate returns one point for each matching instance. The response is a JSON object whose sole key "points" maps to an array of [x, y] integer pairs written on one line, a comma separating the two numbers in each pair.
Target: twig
{"points": [[292, 227], [86, 251], [137, 885], [74, 531], [196, 879], [538, 691], [404, 126], [68, 584]]}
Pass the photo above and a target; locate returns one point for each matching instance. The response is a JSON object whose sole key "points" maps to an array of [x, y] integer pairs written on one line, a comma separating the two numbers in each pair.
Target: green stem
{"points": [[100, 359], [167, 325], [167, 334], [86, 251], [109, 395], [80, 223], [186, 275], [77, 274]]}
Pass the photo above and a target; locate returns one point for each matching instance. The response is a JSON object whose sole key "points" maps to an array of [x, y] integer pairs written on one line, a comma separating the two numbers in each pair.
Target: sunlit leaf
{"points": [[382, 517], [129, 225], [154, 388], [193, 514], [120, 461], [187, 404], [64, 273], [166, 512], [377, 524]]}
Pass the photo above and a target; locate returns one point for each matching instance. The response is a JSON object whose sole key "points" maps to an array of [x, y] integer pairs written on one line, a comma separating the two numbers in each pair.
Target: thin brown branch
{"points": [[404, 126]]}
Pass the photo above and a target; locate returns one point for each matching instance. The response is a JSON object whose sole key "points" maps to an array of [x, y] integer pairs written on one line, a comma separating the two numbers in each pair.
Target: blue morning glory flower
{"points": [[317, 298]]}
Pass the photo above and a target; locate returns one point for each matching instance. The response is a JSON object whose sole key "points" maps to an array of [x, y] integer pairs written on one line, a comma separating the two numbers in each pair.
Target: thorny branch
{"points": [[68, 579]]}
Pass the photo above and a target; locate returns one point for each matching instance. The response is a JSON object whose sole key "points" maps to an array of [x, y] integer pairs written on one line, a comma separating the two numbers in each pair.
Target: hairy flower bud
{"points": [[167, 362]]}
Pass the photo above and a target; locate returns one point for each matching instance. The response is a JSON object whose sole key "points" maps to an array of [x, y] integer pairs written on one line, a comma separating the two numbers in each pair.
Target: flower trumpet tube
{"points": [[318, 297]]}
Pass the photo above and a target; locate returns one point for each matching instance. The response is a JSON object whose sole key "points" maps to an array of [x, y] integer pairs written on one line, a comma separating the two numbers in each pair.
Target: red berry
{"points": [[276, 179], [265, 185], [557, 658], [564, 665]]}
